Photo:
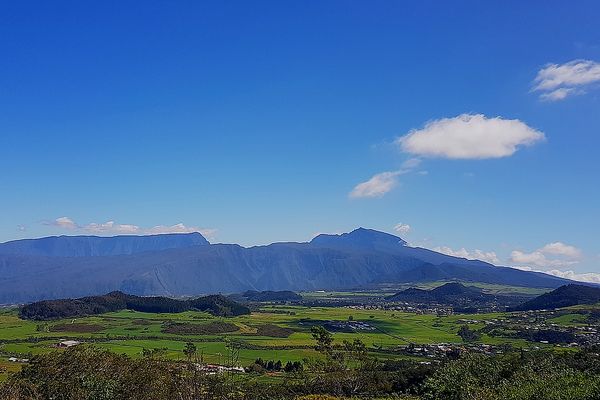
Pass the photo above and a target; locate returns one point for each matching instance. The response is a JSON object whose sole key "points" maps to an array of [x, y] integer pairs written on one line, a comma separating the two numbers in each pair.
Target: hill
{"points": [[564, 296], [96, 246], [355, 259], [116, 301], [449, 293]]}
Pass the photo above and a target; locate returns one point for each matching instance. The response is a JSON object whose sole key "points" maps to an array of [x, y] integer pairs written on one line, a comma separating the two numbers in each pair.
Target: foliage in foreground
{"points": [[538, 376], [346, 371]]}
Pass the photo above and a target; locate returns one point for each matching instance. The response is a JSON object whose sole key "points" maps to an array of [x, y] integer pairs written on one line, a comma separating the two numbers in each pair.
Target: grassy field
{"points": [[389, 289], [130, 332], [277, 332]]}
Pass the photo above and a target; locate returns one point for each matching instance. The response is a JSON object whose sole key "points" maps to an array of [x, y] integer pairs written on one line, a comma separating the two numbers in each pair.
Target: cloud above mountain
{"points": [[111, 227], [582, 277], [552, 255], [487, 256], [469, 136], [558, 81], [401, 228], [381, 183], [466, 136]]}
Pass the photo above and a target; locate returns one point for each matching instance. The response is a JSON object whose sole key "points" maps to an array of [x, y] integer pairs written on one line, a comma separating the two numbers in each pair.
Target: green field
{"points": [[271, 331], [390, 289], [130, 332]]}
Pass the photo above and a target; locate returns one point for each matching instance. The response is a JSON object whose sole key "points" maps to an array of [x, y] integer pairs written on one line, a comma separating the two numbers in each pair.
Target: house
{"points": [[20, 360], [212, 369], [68, 343]]}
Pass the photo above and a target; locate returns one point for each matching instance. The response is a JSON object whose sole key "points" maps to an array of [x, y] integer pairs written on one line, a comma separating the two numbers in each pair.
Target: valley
{"points": [[282, 331]]}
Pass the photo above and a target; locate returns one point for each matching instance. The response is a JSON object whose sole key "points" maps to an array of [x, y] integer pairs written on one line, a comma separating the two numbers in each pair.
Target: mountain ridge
{"points": [[96, 246], [361, 257]]}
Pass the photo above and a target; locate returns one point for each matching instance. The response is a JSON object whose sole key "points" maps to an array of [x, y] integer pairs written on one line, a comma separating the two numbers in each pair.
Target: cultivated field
{"points": [[278, 332]]}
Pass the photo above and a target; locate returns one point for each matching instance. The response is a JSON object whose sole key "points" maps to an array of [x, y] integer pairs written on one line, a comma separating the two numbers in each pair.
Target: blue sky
{"points": [[256, 121]]}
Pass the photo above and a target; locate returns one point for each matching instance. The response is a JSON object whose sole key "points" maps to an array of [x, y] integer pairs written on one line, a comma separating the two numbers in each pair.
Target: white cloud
{"points": [[561, 249], [111, 227], [179, 228], [558, 94], [377, 186], [401, 228], [62, 222], [552, 255], [570, 274], [538, 259], [381, 183], [469, 136], [558, 81], [411, 163], [583, 277], [487, 256]]}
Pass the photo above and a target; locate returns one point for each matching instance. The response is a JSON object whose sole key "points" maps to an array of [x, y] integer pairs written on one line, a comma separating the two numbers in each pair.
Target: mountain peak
{"points": [[362, 238]]}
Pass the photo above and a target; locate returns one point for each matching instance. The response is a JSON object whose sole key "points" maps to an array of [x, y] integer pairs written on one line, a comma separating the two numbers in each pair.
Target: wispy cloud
{"points": [[401, 228], [469, 136], [591, 277], [381, 183], [558, 81], [62, 222], [487, 256], [111, 227], [377, 186]]}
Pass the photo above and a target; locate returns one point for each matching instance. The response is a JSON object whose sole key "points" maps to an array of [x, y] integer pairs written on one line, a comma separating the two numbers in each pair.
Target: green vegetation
{"points": [[274, 332], [396, 352], [344, 371], [210, 328], [115, 301]]}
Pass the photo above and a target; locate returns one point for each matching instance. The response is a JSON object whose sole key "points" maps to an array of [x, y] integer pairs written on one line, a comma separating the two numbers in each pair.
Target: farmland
{"points": [[271, 331], [354, 342]]}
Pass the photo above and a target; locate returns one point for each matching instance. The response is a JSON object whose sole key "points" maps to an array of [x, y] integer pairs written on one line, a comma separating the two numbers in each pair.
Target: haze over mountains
{"points": [[187, 264]]}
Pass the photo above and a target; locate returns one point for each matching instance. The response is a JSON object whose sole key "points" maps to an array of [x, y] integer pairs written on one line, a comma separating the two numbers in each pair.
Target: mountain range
{"points": [[188, 265]]}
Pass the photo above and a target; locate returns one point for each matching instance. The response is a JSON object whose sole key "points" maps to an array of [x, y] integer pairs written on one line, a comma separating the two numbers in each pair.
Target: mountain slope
{"points": [[94, 246], [361, 259], [564, 296]]}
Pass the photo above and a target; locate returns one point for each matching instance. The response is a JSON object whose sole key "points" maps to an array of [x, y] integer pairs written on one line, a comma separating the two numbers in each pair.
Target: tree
{"points": [[467, 334], [323, 338], [189, 350]]}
